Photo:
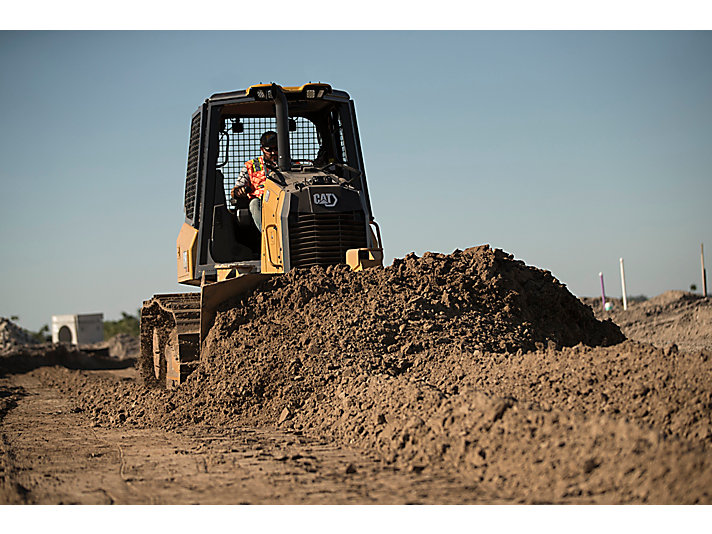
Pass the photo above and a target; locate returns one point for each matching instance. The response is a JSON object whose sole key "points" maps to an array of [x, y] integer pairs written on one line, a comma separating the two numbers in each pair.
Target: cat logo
{"points": [[328, 200]]}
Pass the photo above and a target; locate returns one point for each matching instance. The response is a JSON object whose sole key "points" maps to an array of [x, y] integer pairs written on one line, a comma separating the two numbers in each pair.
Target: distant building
{"points": [[78, 329]]}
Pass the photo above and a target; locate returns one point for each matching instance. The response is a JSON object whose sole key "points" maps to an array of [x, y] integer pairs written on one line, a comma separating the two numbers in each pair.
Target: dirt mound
{"points": [[30, 357], [123, 346], [429, 364], [13, 337], [673, 317], [311, 324], [120, 346], [481, 298]]}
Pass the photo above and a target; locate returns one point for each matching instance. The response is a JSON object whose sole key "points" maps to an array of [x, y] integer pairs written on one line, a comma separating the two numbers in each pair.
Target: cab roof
{"points": [[291, 92]]}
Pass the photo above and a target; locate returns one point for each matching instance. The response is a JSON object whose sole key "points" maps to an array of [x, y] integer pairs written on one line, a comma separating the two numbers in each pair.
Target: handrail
{"points": [[269, 249]]}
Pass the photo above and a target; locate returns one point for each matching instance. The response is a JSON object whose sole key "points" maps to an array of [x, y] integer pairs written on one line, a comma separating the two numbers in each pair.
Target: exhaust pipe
{"points": [[282, 116]]}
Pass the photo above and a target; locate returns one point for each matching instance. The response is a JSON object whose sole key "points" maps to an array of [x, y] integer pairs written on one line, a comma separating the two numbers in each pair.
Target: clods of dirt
{"points": [[471, 362], [302, 332]]}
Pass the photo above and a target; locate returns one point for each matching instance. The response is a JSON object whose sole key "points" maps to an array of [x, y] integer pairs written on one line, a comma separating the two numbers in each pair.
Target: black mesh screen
{"points": [[238, 147], [191, 178]]}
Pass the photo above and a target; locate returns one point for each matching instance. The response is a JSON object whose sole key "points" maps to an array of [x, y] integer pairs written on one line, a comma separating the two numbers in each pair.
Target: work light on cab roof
{"points": [[308, 90]]}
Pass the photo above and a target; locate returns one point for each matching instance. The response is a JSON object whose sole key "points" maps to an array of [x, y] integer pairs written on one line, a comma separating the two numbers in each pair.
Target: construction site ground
{"points": [[468, 378]]}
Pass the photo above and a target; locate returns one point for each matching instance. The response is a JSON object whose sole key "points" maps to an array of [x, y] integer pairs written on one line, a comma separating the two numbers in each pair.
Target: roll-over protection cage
{"points": [[225, 133]]}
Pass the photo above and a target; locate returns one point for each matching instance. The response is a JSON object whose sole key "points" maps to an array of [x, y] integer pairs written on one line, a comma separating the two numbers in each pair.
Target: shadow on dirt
{"points": [[9, 395]]}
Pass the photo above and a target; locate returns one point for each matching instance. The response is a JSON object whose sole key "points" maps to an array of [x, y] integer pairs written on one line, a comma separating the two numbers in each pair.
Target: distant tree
{"points": [[42, 335], [693, 287], [45, 333], [14, 318], [128, 324]]}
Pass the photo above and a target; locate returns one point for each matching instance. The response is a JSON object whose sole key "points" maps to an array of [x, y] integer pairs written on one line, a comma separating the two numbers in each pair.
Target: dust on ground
{"points": [[471, 375]]}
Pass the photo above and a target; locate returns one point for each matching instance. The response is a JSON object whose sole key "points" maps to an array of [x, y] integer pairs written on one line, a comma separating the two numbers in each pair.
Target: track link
{"points": [[170, 338]]}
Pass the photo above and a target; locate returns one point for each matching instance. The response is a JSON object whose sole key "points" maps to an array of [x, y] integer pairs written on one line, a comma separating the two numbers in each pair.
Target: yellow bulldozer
{"points": [[315, 211]]}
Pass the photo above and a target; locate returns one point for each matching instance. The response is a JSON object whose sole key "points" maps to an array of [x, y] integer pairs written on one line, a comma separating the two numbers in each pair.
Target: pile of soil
{"points": [[674, 317], [123, 346], [13, 337], [481, 298], [390, 321], [21, 352], [471, 362], [120, 346], [28, 357]]}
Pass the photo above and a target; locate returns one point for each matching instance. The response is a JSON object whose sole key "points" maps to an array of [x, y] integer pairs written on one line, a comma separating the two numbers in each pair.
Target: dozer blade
{"points": [[214, 294]]}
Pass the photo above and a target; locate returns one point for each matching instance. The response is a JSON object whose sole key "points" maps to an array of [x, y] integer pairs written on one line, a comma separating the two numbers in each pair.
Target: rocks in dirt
{"points": [[589, 465], [13, 337], [284, 416], [304, 331]]}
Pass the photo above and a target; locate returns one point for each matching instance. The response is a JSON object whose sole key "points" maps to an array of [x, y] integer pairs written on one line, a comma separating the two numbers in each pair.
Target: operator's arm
{"points": [[242, 184]]}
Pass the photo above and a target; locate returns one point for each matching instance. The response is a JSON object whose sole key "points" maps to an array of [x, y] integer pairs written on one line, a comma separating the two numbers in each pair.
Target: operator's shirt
{"points": [[253, 176]]}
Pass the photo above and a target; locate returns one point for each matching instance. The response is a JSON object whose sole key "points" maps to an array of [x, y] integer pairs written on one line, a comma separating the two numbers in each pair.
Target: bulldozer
{"points": [[316, 211]]}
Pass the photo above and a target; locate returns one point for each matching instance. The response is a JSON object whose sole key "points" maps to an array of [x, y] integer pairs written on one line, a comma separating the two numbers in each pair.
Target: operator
{"points": [[251, 181]]}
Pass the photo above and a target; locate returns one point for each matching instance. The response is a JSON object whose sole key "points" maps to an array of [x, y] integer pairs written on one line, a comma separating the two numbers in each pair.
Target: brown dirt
{"points": [[120, 347], [461, 378], [675, 317]]}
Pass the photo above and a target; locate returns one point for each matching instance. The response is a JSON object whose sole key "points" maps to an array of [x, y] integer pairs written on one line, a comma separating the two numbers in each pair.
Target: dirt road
{"points": [[53, 454]]}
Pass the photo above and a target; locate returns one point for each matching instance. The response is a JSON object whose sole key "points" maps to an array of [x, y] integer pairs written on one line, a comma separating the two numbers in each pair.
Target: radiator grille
{"points": [[323, 238], [191, 176]]}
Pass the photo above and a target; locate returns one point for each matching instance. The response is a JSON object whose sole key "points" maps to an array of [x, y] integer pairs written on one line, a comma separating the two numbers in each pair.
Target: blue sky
{"points": [[567, 149]]}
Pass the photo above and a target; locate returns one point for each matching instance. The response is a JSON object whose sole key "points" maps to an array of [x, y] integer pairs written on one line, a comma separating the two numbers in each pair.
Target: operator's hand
{"points": [[238, 191]]}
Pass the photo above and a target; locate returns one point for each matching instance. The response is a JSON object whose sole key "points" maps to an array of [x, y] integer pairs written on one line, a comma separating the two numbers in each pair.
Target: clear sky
{"points": [[567, 149]]}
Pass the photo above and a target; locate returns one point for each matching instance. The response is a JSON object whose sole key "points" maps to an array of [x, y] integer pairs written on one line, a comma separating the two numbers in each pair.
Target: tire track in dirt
{"points": [[53, 455]]}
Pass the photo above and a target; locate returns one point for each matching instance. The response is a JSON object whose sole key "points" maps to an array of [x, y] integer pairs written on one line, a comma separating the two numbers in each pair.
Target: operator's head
{"points": [[268, 145]]}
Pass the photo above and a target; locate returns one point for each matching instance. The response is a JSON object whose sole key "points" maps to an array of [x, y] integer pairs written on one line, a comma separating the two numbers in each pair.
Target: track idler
{"points": [[170, 339], [173, 327]]}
